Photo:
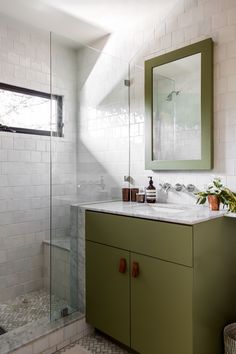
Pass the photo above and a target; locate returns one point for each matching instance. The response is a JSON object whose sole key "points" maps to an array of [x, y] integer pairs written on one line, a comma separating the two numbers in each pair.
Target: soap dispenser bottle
{"points": [[151, 192]]}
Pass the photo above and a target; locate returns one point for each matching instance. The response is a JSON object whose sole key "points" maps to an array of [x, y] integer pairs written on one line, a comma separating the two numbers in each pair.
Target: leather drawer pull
{"points": [[135, 270], [122, 266]]}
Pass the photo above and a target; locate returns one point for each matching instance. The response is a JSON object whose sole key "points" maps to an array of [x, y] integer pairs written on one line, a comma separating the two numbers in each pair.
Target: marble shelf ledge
{"points": [[63, 244], [175, 213]]}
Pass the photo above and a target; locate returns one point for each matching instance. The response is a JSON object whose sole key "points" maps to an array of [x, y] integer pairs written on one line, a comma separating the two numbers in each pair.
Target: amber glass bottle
{"points": [[151, 192]]}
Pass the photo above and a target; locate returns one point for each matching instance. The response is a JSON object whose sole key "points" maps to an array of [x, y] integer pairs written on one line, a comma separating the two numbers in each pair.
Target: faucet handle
{"points": [[179, 187], [190, 188], [167, 186]]}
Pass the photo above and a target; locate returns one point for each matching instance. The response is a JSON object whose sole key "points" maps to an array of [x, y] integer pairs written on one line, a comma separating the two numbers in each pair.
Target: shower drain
{"points": [[2, 330]]}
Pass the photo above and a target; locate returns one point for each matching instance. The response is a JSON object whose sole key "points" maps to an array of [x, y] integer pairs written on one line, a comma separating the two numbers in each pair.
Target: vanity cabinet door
{"points": [[161, 306], [107, 290]]}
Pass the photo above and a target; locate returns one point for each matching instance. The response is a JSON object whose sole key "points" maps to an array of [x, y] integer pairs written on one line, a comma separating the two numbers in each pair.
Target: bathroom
{"points": [[85, 62]]}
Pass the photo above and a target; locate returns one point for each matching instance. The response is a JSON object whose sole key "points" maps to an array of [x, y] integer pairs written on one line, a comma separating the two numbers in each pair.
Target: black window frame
{"points": [[58, 98]]}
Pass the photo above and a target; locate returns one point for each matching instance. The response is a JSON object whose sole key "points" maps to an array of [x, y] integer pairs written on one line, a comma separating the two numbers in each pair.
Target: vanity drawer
{"points": [[163, 240]]}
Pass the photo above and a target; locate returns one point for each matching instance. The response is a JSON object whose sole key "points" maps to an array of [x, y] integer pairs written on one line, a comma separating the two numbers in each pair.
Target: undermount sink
{"points": [[169, 209], [166, 208]]}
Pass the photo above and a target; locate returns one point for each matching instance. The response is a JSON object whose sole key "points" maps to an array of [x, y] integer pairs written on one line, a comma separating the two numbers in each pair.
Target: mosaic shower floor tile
{"points": [[27, 308], [94, 344]]}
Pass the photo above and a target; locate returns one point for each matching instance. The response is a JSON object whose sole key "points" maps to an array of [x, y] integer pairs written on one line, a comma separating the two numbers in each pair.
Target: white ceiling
{"points": [[84, 20], [111, 14]]}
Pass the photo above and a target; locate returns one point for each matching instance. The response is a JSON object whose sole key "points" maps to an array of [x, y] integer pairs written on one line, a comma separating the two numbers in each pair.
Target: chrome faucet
{"points": [[165, 186], [178, 187]]}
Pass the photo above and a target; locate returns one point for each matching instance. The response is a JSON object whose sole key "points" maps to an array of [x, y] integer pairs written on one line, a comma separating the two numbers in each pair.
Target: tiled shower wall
{"points": [[188, 22], [24, 159]]}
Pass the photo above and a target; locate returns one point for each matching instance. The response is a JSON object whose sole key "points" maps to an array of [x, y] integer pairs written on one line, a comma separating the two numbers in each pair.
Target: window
{"points": [[27, 111]]}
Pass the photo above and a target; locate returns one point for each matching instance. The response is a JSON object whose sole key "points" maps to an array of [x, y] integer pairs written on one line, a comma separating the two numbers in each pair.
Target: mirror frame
{"points": [[204, 47]]}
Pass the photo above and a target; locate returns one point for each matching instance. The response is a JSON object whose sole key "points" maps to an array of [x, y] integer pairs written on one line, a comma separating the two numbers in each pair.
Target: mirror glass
{"points": [[177, 110]]}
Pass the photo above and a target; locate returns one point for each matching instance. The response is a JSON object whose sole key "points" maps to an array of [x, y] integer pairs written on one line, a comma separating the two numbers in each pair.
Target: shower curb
{"points": [[45, 338]]}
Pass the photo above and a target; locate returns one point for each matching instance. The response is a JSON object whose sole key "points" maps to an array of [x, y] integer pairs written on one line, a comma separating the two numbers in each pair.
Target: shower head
{"points": [[170, 96]]}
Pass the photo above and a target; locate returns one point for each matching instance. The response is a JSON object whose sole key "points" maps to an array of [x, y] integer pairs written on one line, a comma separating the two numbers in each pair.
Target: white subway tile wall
{"points": [[25, 159], [103, 134], [187, 23]]}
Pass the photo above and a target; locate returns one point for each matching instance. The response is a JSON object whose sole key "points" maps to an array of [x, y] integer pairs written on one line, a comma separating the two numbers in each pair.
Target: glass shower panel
{"points": [[88, 161], [63, 247], [24, 173], [103, 125], [103, 137]]}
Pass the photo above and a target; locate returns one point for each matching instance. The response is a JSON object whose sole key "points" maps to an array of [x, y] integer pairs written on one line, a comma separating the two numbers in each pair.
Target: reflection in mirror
{"points": [[177, 109]]}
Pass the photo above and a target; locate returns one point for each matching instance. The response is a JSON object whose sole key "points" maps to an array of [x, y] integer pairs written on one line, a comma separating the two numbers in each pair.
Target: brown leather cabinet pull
{"points": [[135, 270], [122, 266]]}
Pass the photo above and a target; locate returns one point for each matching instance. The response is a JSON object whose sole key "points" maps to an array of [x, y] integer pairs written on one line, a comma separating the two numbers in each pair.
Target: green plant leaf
{"points": [[203, 200]]}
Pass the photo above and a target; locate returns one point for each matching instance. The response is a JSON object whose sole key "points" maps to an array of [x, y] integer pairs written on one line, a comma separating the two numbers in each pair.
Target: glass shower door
{"points": [[88, 160], [63, 246]]}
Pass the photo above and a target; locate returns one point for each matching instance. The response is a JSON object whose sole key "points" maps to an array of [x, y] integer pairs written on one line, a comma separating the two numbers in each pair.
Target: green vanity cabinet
{"points": [[108, 291], [161, 307], [176, 291]]}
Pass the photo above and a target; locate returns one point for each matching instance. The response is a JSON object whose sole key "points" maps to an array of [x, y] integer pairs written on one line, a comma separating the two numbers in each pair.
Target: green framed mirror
{"points": [[179, 109]]}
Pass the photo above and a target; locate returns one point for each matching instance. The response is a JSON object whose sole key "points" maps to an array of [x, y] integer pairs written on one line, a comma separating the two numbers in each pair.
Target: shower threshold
{"points": [[17, 338]]}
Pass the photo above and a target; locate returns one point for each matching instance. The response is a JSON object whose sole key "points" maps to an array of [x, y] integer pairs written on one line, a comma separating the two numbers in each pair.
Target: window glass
{"points": [[30, 110]]}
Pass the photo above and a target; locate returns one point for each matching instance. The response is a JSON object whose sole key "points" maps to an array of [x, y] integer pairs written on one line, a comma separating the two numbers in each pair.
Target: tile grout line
{"points": [[93, 344]]}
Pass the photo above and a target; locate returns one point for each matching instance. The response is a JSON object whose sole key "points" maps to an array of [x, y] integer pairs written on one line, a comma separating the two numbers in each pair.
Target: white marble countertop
{"points": [[176, 213], [230, 215]]}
